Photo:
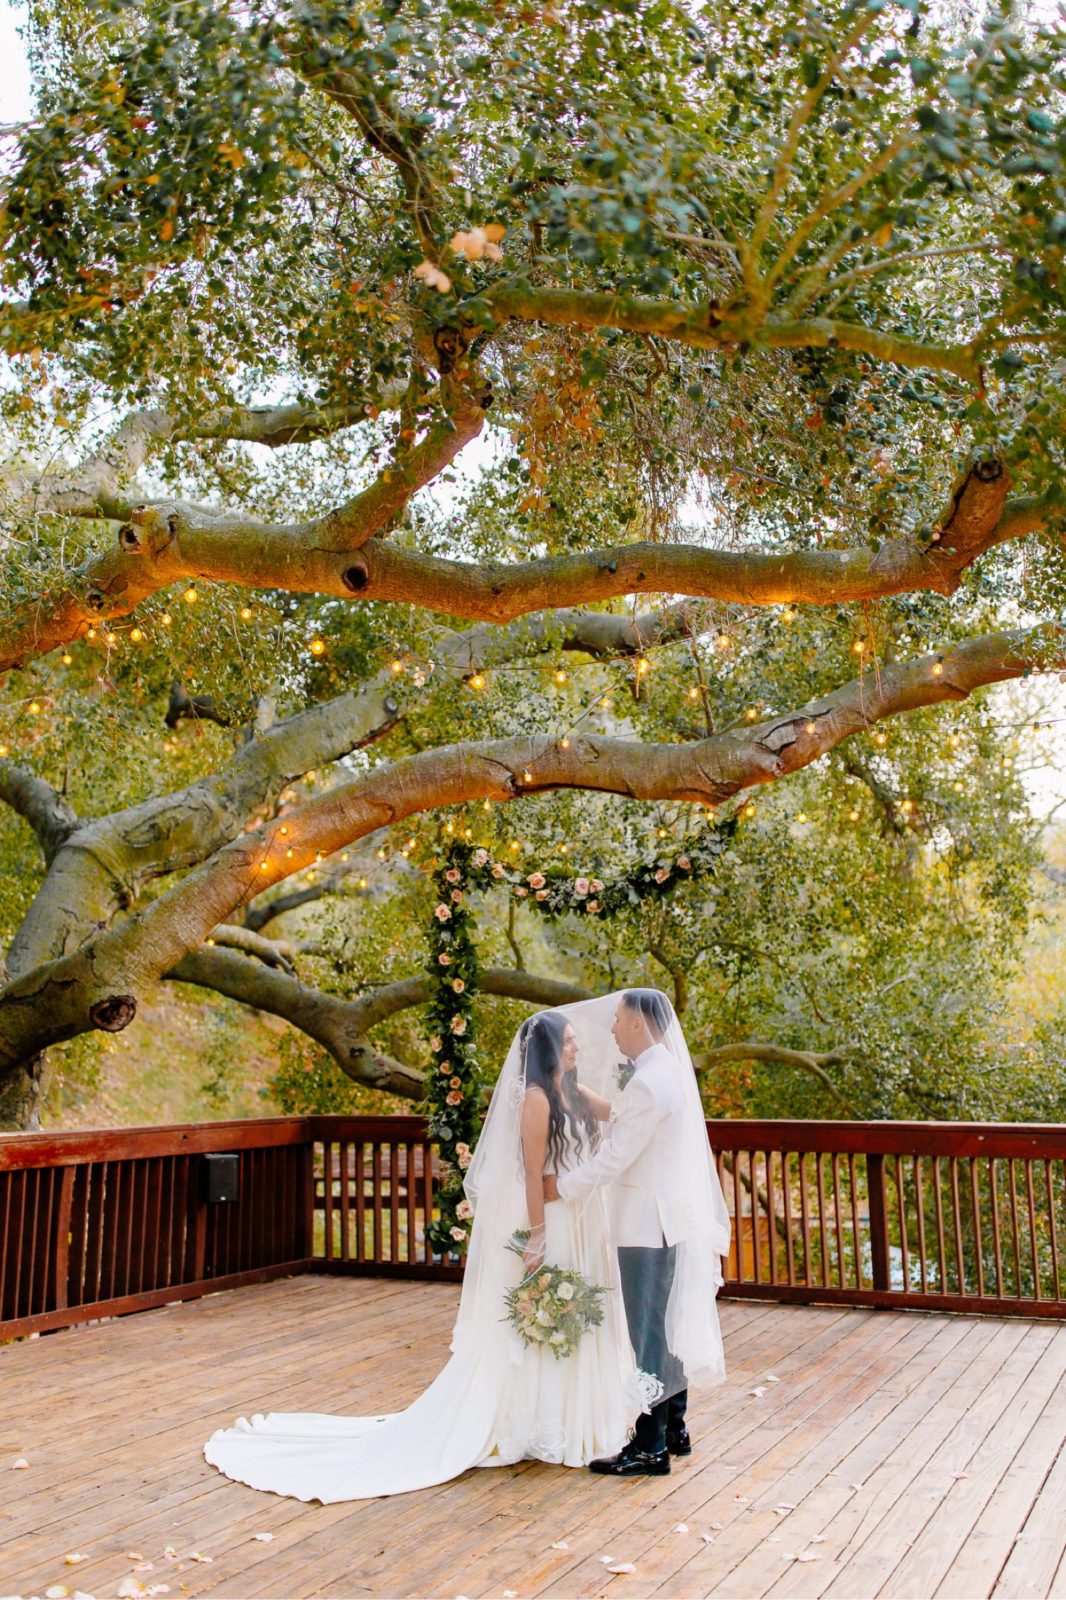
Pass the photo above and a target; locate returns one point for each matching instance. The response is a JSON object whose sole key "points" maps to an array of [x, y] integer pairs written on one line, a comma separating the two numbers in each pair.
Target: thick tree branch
{"points": [[97, 487], [813, 1061], [713, 327], [106, 861], [50, 816], [167, 541], [97, 985], [275, 953], [340, 1025], [188, 543]]}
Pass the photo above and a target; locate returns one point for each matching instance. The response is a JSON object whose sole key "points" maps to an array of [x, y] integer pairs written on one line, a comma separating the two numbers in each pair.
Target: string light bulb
{"points": [[859, 646], [749, 809], [246, 613], [35, 707], [812, 727], [643, 666], [724, 641], [396, 665], [938, 666], [477, 681], [67, 659], [694, 692], [751, 713], [560, 676], [853, 816], [136, 635], [880, 738], [317, 647], [191, 595]]}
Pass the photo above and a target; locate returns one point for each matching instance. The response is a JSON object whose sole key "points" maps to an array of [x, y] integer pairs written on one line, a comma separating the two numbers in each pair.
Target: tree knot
{"points": [[114, 1013]]}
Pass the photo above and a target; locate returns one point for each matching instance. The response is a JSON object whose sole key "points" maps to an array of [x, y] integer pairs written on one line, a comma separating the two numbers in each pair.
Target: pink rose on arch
{"points": [[442, 913], [444, 1068], [454, 1098], [684, 863], [542, 894], [536, 880], [435, 1042], [480, 857], [464, 1209], [458, 1233], [520, 892], [453, 875], [592, 905], [457, 895], [455, 1083], [497, 870], [462, 1149], [581, 887], [445, 959], [662, 875], [458, 985], [465, 1159], [596, 885], [458, 1024]]}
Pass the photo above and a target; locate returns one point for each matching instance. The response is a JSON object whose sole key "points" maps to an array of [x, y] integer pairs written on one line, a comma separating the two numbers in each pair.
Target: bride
{"points": [[499, 1399]]}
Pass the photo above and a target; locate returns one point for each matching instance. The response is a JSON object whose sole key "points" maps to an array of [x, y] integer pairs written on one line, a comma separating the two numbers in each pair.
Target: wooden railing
{"points": [[948, 1216], [945, 1215]]}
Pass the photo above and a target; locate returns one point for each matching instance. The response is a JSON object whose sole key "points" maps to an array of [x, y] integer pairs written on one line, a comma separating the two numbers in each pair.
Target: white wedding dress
{"points": [[496, 1401]]}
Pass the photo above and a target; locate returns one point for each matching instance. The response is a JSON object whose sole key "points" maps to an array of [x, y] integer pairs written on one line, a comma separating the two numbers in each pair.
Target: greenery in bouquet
{"points": [[554, 1306]]}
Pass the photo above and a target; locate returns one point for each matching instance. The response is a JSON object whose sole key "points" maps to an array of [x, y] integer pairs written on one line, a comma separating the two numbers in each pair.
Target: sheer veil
{"points": [[685, 1189]]}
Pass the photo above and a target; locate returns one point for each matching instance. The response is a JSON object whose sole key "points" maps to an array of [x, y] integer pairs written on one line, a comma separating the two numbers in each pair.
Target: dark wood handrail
{"points": [[98, 1222]]}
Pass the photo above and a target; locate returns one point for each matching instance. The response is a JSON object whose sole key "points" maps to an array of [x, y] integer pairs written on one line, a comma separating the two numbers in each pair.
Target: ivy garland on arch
{"points": [[453, 1104]]}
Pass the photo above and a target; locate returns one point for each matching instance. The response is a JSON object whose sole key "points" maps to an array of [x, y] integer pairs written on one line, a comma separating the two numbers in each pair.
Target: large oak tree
{"points": [[364, 354]]}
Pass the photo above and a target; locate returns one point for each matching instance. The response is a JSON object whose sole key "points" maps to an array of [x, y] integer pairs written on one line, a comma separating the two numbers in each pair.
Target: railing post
{"points": [[875, 1188], [307, 1199]]}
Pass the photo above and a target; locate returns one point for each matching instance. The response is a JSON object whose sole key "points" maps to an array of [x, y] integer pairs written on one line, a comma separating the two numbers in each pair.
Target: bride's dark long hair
{"points": [[542, 1038]]}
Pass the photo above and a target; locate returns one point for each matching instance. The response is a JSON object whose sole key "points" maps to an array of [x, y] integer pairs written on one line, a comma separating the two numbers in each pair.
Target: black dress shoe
{"points": [[678, 1442], [632, 1462]]}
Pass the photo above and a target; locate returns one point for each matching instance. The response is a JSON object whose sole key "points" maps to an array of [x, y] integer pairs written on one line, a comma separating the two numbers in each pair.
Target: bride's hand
{"points": [[533, 1254]]}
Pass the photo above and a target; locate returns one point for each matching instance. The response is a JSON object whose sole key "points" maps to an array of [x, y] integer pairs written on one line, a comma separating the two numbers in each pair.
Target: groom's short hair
{"points": [[652, 1005]]}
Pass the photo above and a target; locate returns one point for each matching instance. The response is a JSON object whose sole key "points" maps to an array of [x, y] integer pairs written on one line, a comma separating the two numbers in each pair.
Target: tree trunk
{"points": [[21, 1088]]}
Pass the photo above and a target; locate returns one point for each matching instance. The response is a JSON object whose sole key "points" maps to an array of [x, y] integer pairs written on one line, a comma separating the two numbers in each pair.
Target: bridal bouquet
{"points": [[553, 1306]]}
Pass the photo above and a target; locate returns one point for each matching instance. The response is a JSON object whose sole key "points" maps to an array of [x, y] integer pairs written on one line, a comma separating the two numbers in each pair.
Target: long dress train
{"points": [[496, 1401]]}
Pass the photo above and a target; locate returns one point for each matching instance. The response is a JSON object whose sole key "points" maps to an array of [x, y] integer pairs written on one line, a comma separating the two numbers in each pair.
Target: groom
{"points": [[646, 1211]]}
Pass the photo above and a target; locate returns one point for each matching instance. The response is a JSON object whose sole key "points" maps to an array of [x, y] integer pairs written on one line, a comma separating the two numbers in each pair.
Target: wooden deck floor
{"points": [[899, 1454]]}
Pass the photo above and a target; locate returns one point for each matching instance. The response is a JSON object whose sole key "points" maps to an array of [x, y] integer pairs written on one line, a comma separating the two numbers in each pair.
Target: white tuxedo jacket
{"points": [[638, 1158]]}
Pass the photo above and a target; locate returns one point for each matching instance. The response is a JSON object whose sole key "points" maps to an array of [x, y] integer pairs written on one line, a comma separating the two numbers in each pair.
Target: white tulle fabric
{"points": [[675, 1177]]}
